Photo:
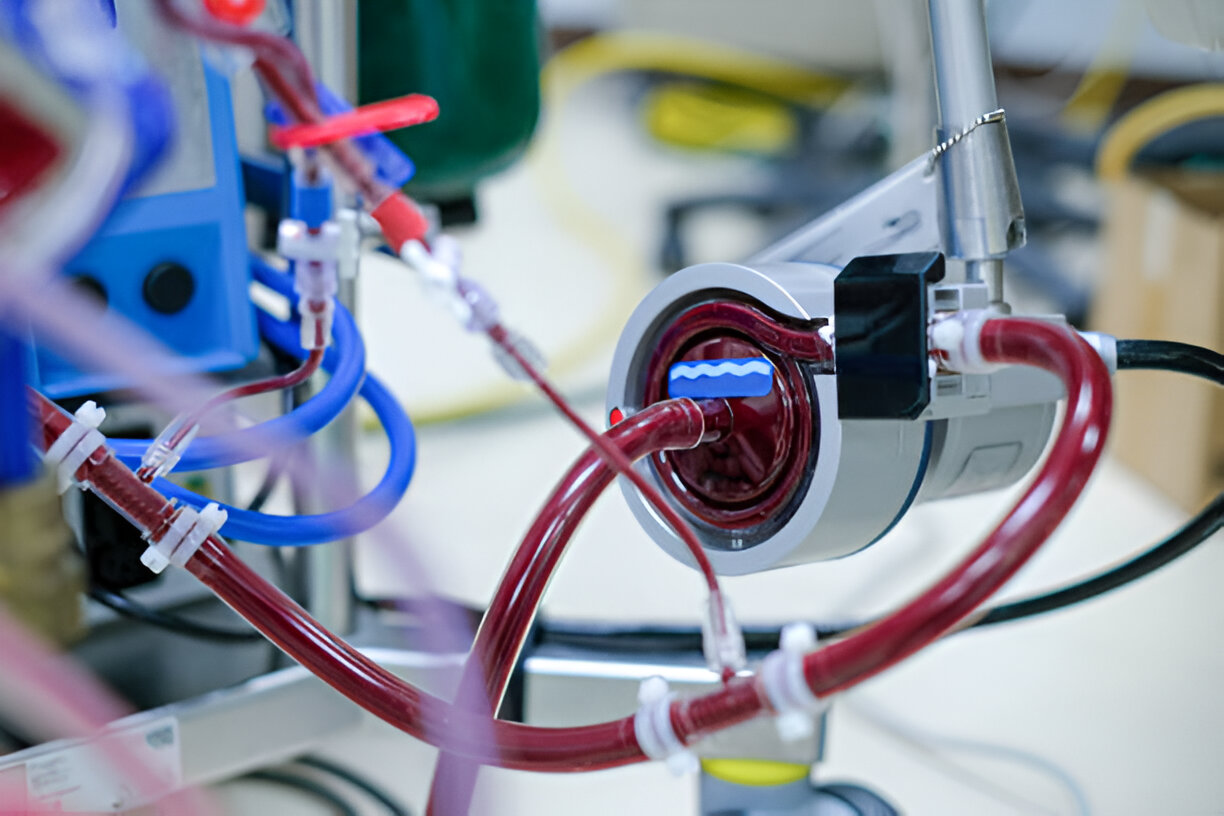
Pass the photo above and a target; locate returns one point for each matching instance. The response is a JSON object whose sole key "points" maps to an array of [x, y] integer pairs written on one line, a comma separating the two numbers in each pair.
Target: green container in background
{"points": [[479, 58]]}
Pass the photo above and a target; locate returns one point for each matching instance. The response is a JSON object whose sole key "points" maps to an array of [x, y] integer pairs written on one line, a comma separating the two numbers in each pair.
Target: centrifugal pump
{"points": [[843, 419]]}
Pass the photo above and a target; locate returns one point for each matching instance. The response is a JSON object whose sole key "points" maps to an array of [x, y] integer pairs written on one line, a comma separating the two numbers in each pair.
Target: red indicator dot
{"points": [[235, 12], [615, 416]]}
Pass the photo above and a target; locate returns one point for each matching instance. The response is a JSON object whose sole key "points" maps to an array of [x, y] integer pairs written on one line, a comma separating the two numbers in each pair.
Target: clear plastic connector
{"points": [[722, 640], [471, 304], [161, 457], [316, 284], [526, 350]]}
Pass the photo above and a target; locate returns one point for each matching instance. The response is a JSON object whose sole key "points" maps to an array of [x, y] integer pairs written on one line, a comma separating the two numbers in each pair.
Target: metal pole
{"points": [[984, 216], [964, 76], [326, 31]]}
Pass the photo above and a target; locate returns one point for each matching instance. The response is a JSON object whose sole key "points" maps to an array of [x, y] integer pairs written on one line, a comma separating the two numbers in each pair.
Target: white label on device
{"points": [[118, 770]]}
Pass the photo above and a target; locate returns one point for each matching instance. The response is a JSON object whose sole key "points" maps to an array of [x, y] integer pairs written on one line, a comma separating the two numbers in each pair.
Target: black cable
{"points": [[1166, 355], [360, 782], [169, 621], [1195, 532], [757, 639], [270, 481], [1158, 355], [307, 786]]}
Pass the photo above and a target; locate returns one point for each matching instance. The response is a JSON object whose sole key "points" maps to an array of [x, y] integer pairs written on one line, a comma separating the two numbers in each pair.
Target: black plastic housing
{"points": [[880, 321]]}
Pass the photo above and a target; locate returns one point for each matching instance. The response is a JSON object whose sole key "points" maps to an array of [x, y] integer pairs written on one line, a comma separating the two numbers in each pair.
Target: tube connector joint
{"points": [[438, 271], [722, 639], [316, 255], [785, 686], [956, 339], [161, 457]]}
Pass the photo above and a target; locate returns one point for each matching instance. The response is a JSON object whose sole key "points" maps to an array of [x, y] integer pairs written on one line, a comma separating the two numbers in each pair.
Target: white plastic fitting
{"points": [[1106, 345], [316, 257], [781, 677], [959, 337], [188, 530], [652, 727], [76, 444], [722, 639], [297, 243]]}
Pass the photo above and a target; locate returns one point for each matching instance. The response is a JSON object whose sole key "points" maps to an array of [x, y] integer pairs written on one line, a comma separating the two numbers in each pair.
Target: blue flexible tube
{"points": [[17, 461], [345, 361], [297, 531]]}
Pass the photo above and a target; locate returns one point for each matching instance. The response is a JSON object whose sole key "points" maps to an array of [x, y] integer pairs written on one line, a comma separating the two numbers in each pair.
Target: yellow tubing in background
{"points": [[589, 59], [1153, 118]]}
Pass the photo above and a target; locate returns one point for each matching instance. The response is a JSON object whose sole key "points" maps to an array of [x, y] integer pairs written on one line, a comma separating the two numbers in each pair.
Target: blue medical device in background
{"points": [[172, 257]]}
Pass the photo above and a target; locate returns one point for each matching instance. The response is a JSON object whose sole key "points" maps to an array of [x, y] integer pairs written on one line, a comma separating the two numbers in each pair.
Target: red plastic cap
{"points": [[235, 12], [401, 220], [615, 416]]}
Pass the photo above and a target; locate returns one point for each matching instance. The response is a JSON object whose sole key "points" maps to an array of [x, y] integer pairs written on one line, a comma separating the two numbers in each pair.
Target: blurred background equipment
{"points": [[817, 276]]}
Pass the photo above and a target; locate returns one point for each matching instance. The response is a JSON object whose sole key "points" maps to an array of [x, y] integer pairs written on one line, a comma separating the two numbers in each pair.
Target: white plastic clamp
{"points": [[76, 444], [959, 337], [785, 686], [188, 530], [296, 242], [652, 727]]}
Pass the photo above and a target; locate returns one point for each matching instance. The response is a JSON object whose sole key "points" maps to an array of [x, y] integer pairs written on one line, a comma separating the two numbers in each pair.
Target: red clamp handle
{"points": [[391, 114]]}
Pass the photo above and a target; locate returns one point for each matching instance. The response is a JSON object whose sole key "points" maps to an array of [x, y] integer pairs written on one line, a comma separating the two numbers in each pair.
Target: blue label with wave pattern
{"points": [[712, 379]]}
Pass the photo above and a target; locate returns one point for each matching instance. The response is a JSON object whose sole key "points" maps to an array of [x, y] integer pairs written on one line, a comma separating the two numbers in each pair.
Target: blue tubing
{"points": [[299, 531], [345, 361], [18, 463]]}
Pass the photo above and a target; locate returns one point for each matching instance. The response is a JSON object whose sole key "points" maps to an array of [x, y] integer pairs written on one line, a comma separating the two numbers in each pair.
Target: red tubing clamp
{"points": [[378, 117]]}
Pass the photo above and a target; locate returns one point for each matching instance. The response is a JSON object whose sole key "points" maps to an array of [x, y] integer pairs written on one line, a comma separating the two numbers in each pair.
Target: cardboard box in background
{"points": [[1163, 279]]}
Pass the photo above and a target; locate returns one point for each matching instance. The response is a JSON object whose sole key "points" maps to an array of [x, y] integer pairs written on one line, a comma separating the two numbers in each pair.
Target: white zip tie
{"points": [[652, 727], [188, 530], [785, 685], [76, 444]]}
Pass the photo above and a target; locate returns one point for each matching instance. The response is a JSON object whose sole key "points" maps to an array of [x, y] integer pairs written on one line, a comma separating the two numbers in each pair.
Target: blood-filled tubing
{"points": [[836, 666], [345, 362], [669, 425]]}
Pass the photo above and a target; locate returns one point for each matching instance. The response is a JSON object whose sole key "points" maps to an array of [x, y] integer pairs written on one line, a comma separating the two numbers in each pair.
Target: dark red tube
{"points": [[785, 335], [1041, 509], [1061, 479], [667, 425], [279, 383], [399, 703], [612, 455], [145, 508]]}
